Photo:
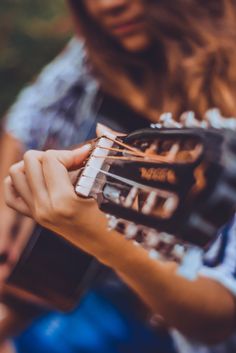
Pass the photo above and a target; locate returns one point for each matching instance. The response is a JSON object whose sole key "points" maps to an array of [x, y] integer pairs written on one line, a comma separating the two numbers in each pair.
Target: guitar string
{"points": [[143, 243], [142, 154], [101, 179], [112, 183], [147, 158], [126, 181], [126, 151], [135, 151], [158, 192], [197, 149], [132, 159], [129, 182], [124, 145]]}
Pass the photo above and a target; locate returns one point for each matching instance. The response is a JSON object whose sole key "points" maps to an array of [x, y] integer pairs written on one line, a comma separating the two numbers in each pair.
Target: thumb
{"points": [[57, 164], [73, 159]]}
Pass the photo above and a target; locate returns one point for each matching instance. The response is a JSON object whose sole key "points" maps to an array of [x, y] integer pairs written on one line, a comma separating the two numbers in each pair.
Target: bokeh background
{"points": [[32, 32]]}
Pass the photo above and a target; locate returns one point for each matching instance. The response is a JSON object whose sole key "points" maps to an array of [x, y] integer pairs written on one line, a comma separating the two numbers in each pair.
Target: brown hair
{"points": [[192, 65]]}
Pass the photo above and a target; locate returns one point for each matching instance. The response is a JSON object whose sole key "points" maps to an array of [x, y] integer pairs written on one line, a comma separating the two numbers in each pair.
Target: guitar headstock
{"points": [[164, 188]]}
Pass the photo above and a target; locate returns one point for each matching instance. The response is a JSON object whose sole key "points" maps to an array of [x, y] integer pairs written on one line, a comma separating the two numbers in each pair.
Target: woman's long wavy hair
{"points": [[191, 66]]}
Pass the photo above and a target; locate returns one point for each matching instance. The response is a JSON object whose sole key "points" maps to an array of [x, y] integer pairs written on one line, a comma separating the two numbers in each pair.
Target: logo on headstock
{"points": [[163, 175]]}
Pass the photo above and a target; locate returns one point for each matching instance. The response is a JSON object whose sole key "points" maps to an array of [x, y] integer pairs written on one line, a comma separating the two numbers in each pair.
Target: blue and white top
{"points": [[58, 109], [219, 264]]}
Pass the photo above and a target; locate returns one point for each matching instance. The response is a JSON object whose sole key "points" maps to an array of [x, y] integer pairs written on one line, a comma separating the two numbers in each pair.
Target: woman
{"points": [[155, 56], [57, 110]]}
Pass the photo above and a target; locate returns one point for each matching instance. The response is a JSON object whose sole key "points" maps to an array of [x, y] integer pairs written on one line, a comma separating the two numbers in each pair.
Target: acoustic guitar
{"points": [[168, 189]]}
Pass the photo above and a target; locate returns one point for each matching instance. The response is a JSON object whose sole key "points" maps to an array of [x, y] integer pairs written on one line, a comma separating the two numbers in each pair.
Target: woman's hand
{"points": [[40, 184], [33, 183], [41, 187]]}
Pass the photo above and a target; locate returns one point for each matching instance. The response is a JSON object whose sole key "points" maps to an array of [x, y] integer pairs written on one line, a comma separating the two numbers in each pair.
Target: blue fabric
{"points": [[98, 325]]}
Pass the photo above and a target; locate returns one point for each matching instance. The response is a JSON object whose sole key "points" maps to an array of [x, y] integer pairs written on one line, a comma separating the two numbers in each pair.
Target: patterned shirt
{"points": [[59, 109]]}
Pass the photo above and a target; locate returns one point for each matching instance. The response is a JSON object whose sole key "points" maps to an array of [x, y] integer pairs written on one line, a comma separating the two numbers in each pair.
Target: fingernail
{"points": [[3, 258]]}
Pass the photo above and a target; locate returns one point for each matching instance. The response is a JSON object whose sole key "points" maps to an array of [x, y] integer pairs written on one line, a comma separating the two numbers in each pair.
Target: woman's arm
{"points": [[11, 151], [11, 317], [41, 187], [14, 229], [7, 347]]}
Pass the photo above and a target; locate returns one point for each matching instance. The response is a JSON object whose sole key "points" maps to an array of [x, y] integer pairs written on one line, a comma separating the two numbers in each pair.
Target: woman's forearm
{"points": [[11, 151], [201, 309]]}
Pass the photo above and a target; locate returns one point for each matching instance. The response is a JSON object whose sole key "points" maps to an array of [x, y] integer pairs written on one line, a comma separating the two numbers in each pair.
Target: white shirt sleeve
{"points": [[220, 261]]}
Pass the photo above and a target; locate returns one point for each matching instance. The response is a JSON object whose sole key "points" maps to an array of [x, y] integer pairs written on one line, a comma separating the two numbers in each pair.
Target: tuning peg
{"points": [[214, 118], [156, 126], [131, 230], [166, 119], [154, 255], [188, 120], [152, 238], [112, 222], [179, 251], [230, 123], [217, 121]]}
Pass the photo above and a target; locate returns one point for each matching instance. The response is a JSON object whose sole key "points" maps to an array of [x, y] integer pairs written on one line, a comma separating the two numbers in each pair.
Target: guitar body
{"points": [[51, 272]]}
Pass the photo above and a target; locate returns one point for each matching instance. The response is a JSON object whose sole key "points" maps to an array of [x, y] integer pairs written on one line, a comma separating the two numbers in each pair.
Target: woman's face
{"points": [[124, 20]]}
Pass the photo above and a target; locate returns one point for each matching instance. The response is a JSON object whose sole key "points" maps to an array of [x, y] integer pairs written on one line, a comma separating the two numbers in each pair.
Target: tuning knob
{"points": [[217, 121], [152, 239], [112, 222], [167, 121], [188, 120], [131, 230]]}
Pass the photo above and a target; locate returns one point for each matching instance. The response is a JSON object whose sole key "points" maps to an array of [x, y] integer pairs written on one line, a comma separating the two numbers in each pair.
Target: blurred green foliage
{"points": [[32, 32]]}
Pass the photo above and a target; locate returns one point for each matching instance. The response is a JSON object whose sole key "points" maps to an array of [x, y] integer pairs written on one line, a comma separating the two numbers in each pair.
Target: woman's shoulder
{"points": [[38, 102], [68, 68], [56, 78]]}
